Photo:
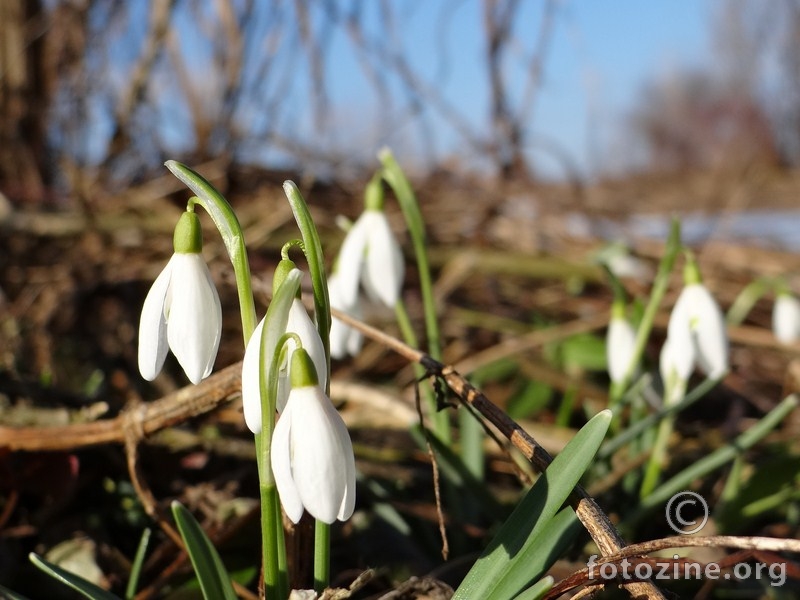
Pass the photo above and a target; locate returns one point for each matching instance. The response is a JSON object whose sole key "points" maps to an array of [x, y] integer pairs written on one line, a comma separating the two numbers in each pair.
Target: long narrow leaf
{"points": [[136, 567], [538, 590], [77, 583], [538, 554], [214, 580], [534, 514]]}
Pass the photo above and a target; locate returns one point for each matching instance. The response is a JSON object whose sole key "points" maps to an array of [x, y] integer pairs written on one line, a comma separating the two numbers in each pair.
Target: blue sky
{"points": [[600, 55]]}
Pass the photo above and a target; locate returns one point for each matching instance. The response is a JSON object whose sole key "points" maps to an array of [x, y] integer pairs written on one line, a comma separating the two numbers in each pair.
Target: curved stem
{"points": [[395, 177], [229, 228]]}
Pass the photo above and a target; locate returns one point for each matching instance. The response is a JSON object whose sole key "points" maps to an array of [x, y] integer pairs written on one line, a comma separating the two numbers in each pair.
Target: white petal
{"points": [[281, 460], [665, 362], [344, 340], [349, 501], [682, 350], [153, 326], [680, 355], [351, 259], [785, 319], [251, 373], [709, 331], [194, 324], [321, 449], [620, 342], [384, 270]]}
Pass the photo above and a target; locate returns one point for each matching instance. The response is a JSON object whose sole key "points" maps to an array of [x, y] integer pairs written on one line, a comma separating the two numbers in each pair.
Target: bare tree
{"points": [[24, 92]]}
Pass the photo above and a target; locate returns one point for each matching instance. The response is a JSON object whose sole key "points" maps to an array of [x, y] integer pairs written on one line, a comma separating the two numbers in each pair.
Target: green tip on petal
{"points": [[618, 309], [188, 237], [691, 272], [373, 195], [302, 371], [281, 272]]}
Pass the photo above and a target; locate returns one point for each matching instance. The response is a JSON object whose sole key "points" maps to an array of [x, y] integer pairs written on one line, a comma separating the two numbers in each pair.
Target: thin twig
{"points": [[637, 552], [435, 467], [147, 418]]}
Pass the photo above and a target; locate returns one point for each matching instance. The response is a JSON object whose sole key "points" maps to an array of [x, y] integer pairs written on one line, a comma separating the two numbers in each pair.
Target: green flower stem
{"points": [[395, 177], [229, 228], [275, 575], [715, 460], [275, 582], [660, 286], [652, 472], [312, 247], [322, 558], [273, 337]]}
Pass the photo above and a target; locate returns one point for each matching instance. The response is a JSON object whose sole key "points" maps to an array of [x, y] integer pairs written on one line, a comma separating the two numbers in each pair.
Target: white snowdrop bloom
{"points": [[676, 360], [299, 323], [786, 318], [697, 333], [311, 452], [620, 344], [344, 340], [370, 255], [182, 310]]}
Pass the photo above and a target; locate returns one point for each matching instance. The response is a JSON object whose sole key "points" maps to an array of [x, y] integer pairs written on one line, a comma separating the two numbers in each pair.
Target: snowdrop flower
{"points": [[620, 343], [371, 255], [311, 452], [344, 340], [696, 331], [182, 310], [786, 318], [299, 323]]}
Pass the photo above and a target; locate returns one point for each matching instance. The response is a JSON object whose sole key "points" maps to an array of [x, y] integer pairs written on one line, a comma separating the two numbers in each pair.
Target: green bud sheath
{"points": [[691, 272], [281, 272], [188, 237], [373, 195], [303, 373], [618, 309]]}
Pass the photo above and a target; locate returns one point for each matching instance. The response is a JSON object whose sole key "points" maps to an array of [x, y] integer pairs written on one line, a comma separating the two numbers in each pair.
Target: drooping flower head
{"points": [[370, 255], [786, 317], [620, 343], [297, 322], [182, 310], [311, 452], [696, 332]]}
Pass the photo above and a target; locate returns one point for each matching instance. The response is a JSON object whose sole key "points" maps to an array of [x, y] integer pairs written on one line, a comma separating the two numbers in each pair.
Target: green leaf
{"points": [[538, 590], [275, 323], [532, 397], [585, 352], [136, 567], [534, 533], [316, 263], [79, 584], [214, 579], [7, 594]]}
